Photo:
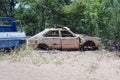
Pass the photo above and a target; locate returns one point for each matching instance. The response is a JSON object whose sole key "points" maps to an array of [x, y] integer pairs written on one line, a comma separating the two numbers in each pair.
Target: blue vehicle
{"points": [[11, 33]]}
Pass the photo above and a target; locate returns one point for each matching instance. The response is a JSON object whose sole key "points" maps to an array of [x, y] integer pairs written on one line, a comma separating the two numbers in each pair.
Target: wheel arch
{"points": [[89, 41], [43, 46]]}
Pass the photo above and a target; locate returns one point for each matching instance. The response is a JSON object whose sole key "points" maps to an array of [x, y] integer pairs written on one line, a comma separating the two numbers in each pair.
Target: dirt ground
{"points": [[62, 65]]}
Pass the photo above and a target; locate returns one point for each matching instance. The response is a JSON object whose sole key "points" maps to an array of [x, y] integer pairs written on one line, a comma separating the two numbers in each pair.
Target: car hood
{"points": [[86, 37]]}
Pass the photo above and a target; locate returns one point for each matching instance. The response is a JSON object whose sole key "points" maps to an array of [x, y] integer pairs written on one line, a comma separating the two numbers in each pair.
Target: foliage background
{"points": [[91, 17]]}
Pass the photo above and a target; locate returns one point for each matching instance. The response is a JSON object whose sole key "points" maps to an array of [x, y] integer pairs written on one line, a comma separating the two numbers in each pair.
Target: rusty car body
{"points": [[63, 38]]}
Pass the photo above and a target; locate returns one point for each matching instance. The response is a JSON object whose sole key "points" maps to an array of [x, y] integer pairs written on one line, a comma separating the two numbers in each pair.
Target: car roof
{"points": [[58, 28]]}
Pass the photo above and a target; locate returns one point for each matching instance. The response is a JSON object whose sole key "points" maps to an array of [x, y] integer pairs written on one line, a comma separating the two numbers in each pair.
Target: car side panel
{"points": [[70, 42], [52, 42]]}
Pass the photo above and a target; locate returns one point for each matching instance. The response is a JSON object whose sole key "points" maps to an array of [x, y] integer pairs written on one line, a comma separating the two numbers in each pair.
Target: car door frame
{"points": [[53, 42], [66, 42]]}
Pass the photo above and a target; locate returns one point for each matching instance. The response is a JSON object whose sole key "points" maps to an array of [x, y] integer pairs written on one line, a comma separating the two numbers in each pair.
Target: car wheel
{"points": [[89, 45], [43, 47]]}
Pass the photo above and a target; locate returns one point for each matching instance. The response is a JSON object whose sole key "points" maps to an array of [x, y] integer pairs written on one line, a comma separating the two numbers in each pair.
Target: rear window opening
{"points": [[52, 34], [5, 23], [7, 26]]}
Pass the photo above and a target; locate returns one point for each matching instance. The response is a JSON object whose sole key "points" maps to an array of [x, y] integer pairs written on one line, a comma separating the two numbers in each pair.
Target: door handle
{"points": [[54, 44], [54, 38]]}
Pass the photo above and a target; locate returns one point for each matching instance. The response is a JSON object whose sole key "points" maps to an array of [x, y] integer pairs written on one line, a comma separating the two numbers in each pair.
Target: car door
{"points": [[52, 39], [69, 41]]}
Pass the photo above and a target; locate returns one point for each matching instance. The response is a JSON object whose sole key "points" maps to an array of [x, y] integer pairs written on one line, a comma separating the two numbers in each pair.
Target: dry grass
{"points": [[15, 54], [74, 65], [59, 57]]}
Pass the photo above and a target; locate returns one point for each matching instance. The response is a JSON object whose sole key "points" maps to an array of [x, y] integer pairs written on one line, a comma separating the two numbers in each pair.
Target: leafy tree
{"points": [[93, 17], [6, 7]]}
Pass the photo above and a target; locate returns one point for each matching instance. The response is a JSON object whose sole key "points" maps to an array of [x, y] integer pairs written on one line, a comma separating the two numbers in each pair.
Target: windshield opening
{"points": [[19, 27]]}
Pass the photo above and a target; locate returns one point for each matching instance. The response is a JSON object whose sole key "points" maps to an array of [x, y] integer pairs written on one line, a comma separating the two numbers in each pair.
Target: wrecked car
{"points": [[63, 38]]}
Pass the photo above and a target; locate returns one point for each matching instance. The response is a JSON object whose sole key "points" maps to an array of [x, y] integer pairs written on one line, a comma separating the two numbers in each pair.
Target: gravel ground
{"points": [[61, 65]]}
